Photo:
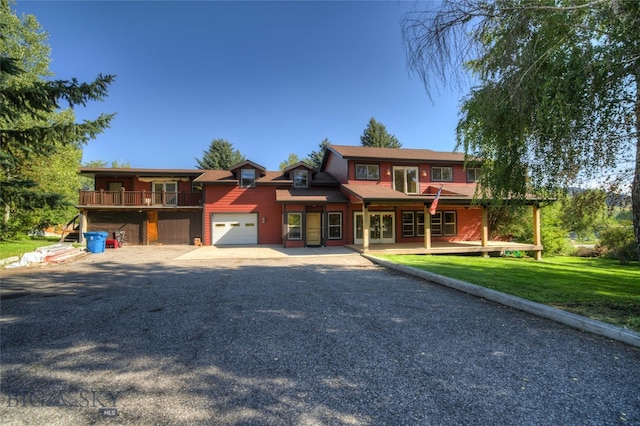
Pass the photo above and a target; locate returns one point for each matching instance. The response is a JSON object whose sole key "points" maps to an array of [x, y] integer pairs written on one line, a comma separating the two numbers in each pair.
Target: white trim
{"points": [[379, 233]]}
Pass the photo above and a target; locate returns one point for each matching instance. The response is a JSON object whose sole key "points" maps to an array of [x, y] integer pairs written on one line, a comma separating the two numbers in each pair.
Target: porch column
{"points": [[485, 230], [365, 225], [537, 235], [485, 226], [427, 228], [82, 228]]}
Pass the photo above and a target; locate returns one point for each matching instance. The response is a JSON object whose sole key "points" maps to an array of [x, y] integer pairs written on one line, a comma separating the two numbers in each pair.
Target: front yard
{"points": [[597, 288]]}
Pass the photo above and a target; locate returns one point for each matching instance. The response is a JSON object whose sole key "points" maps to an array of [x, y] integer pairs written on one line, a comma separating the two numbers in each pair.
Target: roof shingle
{"points": [[404, 154]]}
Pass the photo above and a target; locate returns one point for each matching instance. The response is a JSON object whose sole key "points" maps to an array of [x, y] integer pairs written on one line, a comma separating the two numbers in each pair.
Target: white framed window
{"points": [[367, 171], [413, 223], [300, 178], [405, 179], [444, 223], [450, 227], [335, 225], [473, 174], [407, 224], [436, 224], [442, 174], [247, 178], [420, 224], [294, 226], [165, 193]]}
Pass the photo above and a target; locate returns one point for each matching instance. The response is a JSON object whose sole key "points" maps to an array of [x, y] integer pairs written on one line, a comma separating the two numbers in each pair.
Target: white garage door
{"points": [[234, 228]]}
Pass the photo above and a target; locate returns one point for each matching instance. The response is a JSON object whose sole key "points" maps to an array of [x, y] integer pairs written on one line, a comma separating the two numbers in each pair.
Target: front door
{"points": [[381, 228], [313, 229]]}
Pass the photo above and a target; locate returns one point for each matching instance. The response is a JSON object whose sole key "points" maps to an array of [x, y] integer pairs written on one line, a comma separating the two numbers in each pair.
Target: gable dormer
{"points": [[299, 173], [247, 173]]}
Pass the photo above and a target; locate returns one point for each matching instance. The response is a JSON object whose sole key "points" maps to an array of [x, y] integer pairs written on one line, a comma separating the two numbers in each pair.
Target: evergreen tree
{"points": [[315, 157], [33, 125], [376, 135], [219, 156]]}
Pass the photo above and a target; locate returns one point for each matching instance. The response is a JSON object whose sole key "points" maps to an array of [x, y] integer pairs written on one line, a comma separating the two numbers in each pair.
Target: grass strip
{"points": [[24, 244], [597, 288]]}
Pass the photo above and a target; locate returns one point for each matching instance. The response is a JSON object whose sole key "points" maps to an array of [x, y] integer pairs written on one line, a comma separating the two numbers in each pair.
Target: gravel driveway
{"points": [[140, 336]]}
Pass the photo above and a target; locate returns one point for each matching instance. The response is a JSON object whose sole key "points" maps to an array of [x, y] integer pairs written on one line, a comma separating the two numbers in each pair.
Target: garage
{"points": [[234, 228], [179, 227]]}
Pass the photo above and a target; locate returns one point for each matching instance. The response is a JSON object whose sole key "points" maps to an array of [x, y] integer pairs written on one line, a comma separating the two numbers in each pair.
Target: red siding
{"points": [[459, 174], [233, 199], [424, 174], [133, 184], [103, 183], [469, 224], [468, 220]]}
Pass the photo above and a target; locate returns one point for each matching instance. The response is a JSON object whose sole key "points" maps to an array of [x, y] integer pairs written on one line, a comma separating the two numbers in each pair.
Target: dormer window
{"points": [[247, 178], [300, 178]]}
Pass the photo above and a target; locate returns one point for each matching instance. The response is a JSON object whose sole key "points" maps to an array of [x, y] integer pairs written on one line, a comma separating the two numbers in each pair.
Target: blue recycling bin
{"points": [[96, 241]]}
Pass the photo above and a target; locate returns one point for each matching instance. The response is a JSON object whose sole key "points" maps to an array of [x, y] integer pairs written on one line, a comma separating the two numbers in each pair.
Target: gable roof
{"points": [[393, 154], [227, 177], [250, 163], [296, 165]]}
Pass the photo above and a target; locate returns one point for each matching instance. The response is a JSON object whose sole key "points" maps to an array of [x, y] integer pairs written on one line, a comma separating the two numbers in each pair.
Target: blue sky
{"points": [[272, 78]]}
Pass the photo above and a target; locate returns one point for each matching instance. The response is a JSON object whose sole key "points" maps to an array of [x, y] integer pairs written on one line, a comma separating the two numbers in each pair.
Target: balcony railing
{"points": [[140, 198]]}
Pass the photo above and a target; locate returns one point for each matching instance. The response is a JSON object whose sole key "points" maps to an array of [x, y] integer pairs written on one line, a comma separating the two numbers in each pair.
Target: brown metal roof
{"points": [[307, 196], [226, 177], [457, 193], [130, 171], [395, 154], [217, 176]]}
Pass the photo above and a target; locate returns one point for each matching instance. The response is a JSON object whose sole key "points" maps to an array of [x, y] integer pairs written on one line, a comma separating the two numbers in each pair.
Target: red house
{"points": [[366, 198]]}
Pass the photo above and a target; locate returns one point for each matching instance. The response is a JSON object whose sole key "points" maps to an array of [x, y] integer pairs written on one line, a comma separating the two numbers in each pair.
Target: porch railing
{"points": [[139, 198]]}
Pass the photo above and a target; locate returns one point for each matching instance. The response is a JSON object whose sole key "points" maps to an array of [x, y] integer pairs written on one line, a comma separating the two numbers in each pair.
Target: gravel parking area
{"points": [[153, 335]]}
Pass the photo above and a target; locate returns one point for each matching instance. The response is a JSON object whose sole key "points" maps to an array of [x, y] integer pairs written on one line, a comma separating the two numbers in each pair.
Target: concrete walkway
{"points": [[262, 252]]}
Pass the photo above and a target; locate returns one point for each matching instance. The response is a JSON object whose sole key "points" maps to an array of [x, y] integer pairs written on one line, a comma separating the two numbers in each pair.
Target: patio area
{"points": [[459, 247]]}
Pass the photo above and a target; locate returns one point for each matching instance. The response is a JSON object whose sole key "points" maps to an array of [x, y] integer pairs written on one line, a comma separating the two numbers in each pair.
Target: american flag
{"points": [[434, 205]]}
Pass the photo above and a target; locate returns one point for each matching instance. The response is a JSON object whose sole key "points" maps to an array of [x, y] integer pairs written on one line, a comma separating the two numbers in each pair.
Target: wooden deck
{"points": [[460, 247]]}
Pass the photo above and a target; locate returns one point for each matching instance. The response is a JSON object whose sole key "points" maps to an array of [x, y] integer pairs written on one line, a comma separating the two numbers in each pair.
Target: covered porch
{"points": [[458, 247], [435, 237]]}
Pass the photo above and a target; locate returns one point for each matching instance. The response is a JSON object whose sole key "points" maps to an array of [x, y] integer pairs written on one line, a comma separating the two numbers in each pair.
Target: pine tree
{"points": [[315, 157], [219, 156], [32, 122], [376, 135]]}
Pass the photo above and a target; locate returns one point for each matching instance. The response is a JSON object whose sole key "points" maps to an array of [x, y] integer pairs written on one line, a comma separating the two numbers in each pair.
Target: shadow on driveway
{"points": [[291, 341]]}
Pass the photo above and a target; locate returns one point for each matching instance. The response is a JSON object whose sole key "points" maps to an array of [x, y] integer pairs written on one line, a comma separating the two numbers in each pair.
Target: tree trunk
{"points": [[635, 186]]}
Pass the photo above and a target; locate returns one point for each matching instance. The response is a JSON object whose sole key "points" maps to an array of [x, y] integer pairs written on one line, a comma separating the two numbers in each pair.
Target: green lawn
{"points": [[601, 289], [24, 244]]}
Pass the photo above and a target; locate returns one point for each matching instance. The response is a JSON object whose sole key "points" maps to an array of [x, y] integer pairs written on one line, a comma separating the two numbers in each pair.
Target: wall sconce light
{"points": [[388, 172], [424, 172], [264, 219]]}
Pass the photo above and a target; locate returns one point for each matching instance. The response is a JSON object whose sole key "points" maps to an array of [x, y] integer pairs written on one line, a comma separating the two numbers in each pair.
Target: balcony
{"points": [[140, 199]]}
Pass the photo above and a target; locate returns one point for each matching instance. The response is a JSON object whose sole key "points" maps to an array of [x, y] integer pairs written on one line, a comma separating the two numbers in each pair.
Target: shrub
{"points": [[618, 242], [587, 252]]}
